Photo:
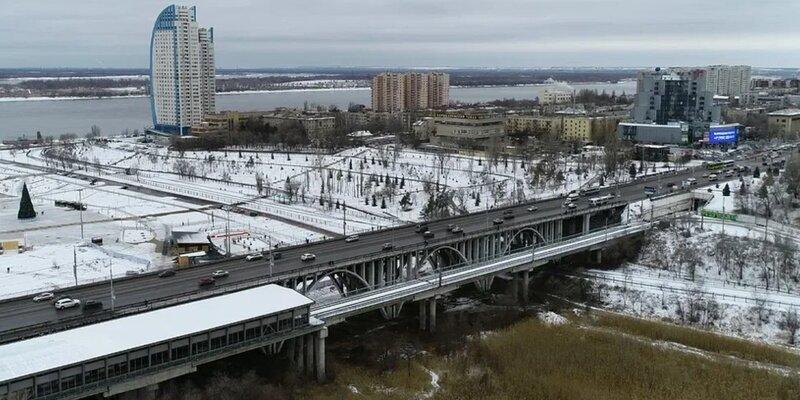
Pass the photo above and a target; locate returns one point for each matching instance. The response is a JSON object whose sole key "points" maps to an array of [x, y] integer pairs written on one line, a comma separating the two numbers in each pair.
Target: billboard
{"points": [[723, 134]]}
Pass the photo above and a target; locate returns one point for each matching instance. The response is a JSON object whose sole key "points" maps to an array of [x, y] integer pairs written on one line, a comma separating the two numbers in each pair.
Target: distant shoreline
{"points": [[244, 92]]}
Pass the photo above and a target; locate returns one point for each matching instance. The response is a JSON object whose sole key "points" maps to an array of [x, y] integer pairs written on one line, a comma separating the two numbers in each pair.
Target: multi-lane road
{"points": [[23, 312]]}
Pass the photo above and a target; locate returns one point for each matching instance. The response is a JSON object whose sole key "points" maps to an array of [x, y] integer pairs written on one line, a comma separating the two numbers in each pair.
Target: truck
{"points": [[598, 201]]}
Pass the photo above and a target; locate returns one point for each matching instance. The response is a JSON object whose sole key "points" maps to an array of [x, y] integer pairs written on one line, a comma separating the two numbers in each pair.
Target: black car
{"points": [[508, 214], [92, 305], [421, 228], [276, 255], [497, 221], [387, 246], [166, 274]]}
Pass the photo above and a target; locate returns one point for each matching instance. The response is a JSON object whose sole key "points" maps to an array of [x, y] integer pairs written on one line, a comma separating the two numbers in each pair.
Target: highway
{"points": [[23, 312]]}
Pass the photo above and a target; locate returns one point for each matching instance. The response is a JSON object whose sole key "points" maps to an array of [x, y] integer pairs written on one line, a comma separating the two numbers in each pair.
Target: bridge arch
{"points": [[333, 276], [527, 229], [437, 250]]}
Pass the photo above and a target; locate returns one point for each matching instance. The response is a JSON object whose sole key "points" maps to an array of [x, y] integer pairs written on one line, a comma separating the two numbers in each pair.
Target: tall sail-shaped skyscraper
{"points": [[181, 70]]}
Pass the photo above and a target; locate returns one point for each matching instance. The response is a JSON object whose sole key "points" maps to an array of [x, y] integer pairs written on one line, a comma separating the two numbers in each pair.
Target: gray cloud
{"points": [[53, 33]]}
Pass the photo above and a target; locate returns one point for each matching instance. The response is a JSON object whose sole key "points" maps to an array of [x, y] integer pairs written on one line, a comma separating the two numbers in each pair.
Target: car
{"points": [[92, 305], [66, 303], [44, 297], [497, 221], [508, 214], [387, 247], [308, 257], [207, 281], [712, 177], [254, 257], [572, 206], [573, 196], [691, 181], [533, 209], [456, 229], [276, 255], [421, 228], [132, 273], [427, 234], [220, 273], [166, 274], [351, 238]]}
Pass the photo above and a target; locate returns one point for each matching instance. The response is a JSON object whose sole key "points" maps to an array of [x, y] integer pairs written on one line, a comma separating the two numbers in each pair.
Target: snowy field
{"points": [[381, 187], [132, 225]]}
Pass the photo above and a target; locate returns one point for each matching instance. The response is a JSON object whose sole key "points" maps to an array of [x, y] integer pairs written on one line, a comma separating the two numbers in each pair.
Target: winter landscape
{"points": [[328, 200]]}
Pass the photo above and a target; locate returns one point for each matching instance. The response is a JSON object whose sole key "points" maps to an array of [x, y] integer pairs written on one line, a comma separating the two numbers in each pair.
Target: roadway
{"points": [[23, 312]]}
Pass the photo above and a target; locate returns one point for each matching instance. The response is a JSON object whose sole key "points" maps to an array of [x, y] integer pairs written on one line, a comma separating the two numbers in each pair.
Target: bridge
{"points": [[369, 276]]}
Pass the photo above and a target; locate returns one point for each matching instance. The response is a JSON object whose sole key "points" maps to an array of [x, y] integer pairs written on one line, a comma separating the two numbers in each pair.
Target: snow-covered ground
{"points": [[736, 283]]}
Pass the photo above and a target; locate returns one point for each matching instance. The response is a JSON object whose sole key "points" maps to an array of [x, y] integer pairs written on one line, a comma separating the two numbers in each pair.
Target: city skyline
{"points": [[509, 33]]}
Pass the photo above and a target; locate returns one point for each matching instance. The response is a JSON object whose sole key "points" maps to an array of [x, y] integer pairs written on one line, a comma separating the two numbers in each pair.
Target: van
{"points": [[713, 177]]}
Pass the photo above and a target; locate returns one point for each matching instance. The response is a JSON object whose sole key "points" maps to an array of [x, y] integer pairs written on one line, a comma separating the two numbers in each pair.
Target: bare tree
{"points": [[791, 324]]}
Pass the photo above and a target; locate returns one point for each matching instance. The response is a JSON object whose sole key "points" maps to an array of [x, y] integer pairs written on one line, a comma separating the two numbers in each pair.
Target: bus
{"points": [[598, 201], [718, 165], [590, 191]]}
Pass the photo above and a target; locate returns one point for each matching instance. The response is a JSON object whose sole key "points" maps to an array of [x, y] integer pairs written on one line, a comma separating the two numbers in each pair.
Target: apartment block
{"points": [[398, 92], [181, 70]]}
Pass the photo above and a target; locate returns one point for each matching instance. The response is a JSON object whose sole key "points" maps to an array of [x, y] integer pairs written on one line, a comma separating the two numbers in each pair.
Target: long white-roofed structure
{"points": [[93, 358]]}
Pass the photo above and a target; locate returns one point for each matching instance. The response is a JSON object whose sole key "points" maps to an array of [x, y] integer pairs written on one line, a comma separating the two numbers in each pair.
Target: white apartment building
{"points": [[728, 80], [181, 70]]}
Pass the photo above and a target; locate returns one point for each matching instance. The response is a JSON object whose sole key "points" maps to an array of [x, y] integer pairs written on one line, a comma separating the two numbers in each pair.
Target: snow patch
{"points": [[552, 319]]}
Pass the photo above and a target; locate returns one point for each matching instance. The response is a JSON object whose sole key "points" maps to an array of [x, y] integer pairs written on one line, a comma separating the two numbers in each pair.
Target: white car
{"points": [[67, 303], [532, 208], [254, 257], [351, 238], [307, 257], [220, 273], [43, 297]]}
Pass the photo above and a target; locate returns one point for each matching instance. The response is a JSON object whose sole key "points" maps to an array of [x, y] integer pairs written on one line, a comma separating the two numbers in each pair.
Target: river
{"points": [[113, 115]]}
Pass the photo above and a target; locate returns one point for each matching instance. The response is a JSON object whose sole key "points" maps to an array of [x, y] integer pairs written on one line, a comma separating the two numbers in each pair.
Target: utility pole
{"points": [[75, 264], [80, 208], [271, 258], [111, 280], [344, 219]]}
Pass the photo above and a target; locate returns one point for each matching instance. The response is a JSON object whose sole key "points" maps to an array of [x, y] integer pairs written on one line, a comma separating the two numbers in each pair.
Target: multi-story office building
{"points": [[671, 97], [467, 129], [181, 70], [397, 92]]}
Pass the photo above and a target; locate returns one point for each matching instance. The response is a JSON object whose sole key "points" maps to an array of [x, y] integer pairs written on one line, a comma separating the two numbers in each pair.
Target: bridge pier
{"points": [[586, 224], [309, 354], [423, 318], [319, 353], [524, 278], [597, 256], [484, 284], [432, 314]]}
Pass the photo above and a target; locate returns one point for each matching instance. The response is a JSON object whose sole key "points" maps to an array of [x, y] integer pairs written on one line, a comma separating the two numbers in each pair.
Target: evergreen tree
{"points": [[383, 202], [632, 170], [757, 173], [374, 201], [26, 210], [726, 191]]}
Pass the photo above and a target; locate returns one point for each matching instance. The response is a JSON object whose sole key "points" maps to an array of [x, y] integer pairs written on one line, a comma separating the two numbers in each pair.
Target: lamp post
{"points": [[80, 208]]}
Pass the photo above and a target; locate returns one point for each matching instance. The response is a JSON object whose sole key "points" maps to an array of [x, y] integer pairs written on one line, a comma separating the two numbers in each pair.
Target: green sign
{"points": [[719, 215]]}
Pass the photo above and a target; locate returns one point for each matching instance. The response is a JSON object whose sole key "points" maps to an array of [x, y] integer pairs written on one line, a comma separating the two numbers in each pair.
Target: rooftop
{"points": [[89, 342], [788, 112]]}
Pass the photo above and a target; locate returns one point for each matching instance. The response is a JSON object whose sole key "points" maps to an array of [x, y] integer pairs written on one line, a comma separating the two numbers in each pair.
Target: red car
{"points": [[206, 282]]}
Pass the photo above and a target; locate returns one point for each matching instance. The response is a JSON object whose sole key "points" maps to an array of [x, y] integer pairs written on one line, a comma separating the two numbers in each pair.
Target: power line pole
{"points": [[80, 208], [111, 280]]}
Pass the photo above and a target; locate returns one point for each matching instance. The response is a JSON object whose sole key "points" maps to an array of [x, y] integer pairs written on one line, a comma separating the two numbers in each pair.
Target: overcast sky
{"points": [[482, 33]]}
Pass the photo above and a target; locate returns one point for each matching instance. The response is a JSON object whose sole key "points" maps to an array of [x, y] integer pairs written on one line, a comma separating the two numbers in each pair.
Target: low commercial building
{"points": [[475, 130], [677, 133], [786, 122], [555, 97], [567, 127], [314, 123]]}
